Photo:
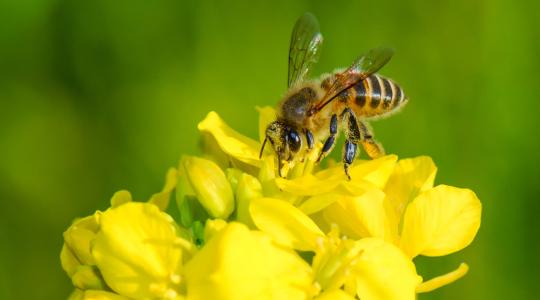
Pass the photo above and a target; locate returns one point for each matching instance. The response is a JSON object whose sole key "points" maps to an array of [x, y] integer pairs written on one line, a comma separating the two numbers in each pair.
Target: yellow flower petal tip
{"points": [[231, 142], [162, 198], [443, 280], [120, 198]]}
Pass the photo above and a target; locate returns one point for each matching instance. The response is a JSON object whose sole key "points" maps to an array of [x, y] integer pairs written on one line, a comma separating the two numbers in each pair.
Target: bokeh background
{"points": [[97, 96]]}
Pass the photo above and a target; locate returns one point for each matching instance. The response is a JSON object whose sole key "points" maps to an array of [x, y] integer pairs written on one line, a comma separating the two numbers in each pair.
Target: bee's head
{"points": [[284, 138]]}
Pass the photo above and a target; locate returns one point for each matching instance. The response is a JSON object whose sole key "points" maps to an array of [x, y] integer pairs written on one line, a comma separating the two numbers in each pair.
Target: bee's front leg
{"points": [[352, 134], [330, 141], [309, 139], [370, 145]]}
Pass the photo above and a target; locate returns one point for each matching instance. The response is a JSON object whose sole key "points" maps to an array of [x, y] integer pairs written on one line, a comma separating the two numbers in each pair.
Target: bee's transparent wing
{"points": [[304, 49], [364, 66]]}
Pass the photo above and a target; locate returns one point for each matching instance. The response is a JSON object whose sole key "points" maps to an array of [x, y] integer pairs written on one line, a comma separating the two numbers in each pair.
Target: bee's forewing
{"points": [[306, 41]]}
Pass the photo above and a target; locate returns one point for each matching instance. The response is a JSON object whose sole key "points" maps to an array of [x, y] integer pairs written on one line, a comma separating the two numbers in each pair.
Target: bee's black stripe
{"points": [[360, 94], [344, 96], [399, 96], [375, 91], [388, 93]]}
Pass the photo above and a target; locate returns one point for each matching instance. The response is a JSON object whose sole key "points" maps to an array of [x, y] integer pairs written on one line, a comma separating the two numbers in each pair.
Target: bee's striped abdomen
{"points": [[376, 95]]}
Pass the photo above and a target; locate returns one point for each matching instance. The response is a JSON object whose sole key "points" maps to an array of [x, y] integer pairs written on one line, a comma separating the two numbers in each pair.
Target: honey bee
{"points": [[316, 110]]}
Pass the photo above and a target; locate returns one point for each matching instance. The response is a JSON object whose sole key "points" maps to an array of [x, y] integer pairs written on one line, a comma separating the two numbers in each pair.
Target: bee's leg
{"points": [[371, 146], [309, 138], [352, 135], [330, 141], [310, 141]]}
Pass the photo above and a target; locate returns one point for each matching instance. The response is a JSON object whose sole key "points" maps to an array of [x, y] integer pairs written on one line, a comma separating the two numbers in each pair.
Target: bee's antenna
{"points": [[262, 147]]}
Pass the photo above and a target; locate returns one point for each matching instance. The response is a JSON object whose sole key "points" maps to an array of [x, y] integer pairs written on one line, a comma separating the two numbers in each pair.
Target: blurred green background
{"points": [[102, 95]]}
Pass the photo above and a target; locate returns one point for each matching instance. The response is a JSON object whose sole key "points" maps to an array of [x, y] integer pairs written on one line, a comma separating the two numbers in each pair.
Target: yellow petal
{"points": [[210, 186], [162, 198], [239, 264], [267, 176], [309, 185], [362, 216], [411, 177], [319, 202], [95, 295], [231, 142], [286, 224], [120, 198], [213, 227], [210, 149], [375, 171], [249, 188], [136, 253], [79, 237], [68, 260], [440, 221], [356, 187], [443, 280], [87, 278], [334, 295], [384, 272], [267, 114]]}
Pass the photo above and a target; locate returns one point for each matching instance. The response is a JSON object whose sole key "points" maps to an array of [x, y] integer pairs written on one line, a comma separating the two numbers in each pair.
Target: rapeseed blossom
{"points": [[243, 232]]}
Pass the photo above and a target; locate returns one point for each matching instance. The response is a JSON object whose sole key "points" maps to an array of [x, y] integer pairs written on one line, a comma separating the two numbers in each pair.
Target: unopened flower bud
{"points": [[210, 185]]}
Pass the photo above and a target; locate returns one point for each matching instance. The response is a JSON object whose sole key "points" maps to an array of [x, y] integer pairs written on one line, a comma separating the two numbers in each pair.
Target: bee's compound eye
{"points": [[294, 140]]}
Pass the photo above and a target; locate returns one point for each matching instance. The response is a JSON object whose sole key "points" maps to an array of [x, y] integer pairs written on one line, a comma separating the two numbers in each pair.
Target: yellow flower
{"points": [[243, 232], [136, 251], [131, 251]]}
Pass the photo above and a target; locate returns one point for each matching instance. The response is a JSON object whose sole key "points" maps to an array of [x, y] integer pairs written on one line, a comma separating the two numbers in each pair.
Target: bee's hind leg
{"points": [[371, 146], [353, 136], [330, 141]]}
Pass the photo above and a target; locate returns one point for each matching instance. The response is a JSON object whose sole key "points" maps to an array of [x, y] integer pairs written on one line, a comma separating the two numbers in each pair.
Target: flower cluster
{"points": [[242, 232]]}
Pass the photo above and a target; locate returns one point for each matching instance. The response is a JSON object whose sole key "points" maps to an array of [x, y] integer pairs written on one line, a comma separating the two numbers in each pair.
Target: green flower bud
{"points": [[210, 185]]}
